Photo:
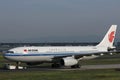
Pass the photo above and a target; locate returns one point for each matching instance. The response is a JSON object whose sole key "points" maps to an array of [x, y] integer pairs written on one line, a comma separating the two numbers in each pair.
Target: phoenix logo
{"points": [[111, 36], [25, 50]]}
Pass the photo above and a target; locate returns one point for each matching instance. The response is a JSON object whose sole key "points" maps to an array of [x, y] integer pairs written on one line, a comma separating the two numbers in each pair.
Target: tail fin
{"points": [[109, 38]]}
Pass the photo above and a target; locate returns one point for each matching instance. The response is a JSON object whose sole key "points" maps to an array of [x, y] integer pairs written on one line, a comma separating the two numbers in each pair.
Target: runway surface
{"points": [[83, 67], [107, 66]]}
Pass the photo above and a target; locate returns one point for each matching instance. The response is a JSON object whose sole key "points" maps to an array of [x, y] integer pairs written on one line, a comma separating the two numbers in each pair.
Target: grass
{"points": [[1, 57], [110, 74]]}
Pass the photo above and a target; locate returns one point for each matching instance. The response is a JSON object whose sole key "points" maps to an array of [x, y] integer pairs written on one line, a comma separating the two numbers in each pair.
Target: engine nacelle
{"points": [[68, 61]]}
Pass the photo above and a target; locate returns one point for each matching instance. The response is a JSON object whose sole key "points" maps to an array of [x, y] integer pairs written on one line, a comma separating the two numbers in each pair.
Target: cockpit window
{"points": [[10, 52]]}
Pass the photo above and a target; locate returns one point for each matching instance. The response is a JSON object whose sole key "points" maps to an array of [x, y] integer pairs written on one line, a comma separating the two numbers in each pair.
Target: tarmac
{"points": [[83, 67]]}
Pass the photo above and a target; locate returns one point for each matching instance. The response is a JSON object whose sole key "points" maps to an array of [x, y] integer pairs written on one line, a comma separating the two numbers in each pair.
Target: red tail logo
{"points": [[111, 36], [25, 50]]}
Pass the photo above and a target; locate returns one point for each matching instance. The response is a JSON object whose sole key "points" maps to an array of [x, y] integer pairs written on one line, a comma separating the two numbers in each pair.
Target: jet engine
{"points": [[68, 61]]}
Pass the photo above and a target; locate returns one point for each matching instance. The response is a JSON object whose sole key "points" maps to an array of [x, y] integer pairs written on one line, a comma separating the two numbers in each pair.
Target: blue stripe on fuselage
{"points": [[16, 54], [50, 54]]}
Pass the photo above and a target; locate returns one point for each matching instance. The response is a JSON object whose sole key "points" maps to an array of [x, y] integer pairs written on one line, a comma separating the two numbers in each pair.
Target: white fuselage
{"points": [[47, 53]]}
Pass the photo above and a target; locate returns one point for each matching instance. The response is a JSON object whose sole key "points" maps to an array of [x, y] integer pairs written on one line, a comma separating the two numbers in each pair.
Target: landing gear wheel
{"points": [[17, 66], [56, 65], [76, 66]]}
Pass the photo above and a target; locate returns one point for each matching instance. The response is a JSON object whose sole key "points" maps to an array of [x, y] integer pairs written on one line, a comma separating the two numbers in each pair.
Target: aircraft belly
{"points": [[30, 58]]}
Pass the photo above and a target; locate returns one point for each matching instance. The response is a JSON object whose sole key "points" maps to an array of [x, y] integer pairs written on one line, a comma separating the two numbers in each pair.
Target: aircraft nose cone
{"points": [[5, 55], [9, 56]]}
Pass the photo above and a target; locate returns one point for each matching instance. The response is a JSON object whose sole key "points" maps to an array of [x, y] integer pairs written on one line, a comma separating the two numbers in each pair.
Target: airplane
{"points": [[59, 56]]}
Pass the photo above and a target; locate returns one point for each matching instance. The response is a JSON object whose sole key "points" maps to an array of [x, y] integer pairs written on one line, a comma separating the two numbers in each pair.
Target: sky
{"points": [[57, 20]]}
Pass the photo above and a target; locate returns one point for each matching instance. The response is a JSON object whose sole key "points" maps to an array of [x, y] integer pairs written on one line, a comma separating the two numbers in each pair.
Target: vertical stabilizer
{"points": [[108, 40]]}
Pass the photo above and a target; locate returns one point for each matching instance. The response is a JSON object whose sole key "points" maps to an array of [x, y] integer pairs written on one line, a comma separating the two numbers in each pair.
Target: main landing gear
{"points": [[56, 65], [76, 66], [17, 65]]}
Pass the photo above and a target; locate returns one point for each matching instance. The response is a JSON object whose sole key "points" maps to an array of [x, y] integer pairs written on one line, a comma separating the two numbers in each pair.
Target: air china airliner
{"points": [[61, 55]]}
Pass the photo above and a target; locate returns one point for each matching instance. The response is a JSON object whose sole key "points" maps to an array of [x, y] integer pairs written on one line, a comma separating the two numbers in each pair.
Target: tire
{"points": [[76, 66], [56, 65]]}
